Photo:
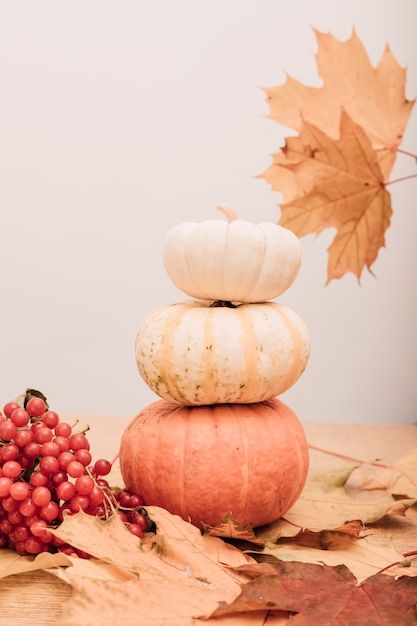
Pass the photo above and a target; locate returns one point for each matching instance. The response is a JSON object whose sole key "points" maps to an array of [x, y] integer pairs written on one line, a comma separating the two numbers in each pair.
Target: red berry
{"points": [[102, 467], [12, 469], [49, 512], [5, 484], [39, 479], [34, 545], [43, 434], [38, 527], [19, 490], [84, 485], [35, 406], [79, 441], [27, 508], [41, 496], [63, 429], [65, 490], [50, 448], [7, 430], [10, 407], [83, 456], [140, 519], [23, 437], [9, 452], [79, 503], [50, 419], [20, 417], [135, 529], [75, 469]]}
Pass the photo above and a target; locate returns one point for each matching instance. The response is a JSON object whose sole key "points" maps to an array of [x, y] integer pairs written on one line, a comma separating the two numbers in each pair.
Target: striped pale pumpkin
{"points": [[195, 353], [202, 462]]}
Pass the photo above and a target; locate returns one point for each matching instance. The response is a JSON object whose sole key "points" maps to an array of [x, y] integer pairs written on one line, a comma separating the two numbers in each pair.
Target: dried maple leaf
{"points": [[179, 576], [229, 528], [363, 556], [319, 594], [146, 603], [399, 479], [337, 183], [373, 97], [333, 175], [12, 563], [325, 505]]}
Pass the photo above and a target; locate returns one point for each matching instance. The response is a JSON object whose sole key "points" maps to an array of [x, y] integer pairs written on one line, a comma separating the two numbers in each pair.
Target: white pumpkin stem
{"points": [[227, 211]]}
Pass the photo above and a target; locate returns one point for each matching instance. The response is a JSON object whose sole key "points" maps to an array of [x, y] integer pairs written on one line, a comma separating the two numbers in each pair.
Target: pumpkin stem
{"points": [[227, 211], [224, 303]]}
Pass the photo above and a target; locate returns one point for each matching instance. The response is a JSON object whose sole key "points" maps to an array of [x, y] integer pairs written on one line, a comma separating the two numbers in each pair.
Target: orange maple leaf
{"points": [[334, 183], [373, 97]]}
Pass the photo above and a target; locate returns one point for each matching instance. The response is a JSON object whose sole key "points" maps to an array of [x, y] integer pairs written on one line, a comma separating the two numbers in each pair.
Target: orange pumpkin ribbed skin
{"points": [[201, 462]]}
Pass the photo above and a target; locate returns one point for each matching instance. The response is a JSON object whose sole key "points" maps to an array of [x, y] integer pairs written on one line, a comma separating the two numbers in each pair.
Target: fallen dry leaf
{"points": [[178, 576], [12, 563], [146, 603], [399, 479], [373, 97], [329, 183], [305, 537], [325, 505], [228, 528], [319, 595], [363, 556]]}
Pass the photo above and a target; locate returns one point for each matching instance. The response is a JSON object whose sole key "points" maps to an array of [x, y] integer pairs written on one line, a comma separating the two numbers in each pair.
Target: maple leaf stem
{"points": [[346, 457], [400, 180], [410, 154], [403, 563]]}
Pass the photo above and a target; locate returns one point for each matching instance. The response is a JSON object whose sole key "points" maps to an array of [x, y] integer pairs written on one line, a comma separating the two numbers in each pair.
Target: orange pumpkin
{"points": [[201, 462]]}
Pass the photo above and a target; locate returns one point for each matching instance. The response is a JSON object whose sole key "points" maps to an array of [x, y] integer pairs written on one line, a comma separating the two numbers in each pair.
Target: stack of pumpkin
{"points": [[219, 441]]}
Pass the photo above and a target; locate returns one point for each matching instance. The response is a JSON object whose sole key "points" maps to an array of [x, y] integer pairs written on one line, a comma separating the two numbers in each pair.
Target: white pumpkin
{"points": [[235, 261], [196, 354]]}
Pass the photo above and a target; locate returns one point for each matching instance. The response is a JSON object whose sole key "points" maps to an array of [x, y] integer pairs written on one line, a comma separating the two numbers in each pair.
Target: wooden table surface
{"points": [[36, 599]]}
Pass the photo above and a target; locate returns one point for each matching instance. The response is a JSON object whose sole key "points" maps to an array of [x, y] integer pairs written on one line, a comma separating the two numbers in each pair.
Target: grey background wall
{"points": [[121, 119]]}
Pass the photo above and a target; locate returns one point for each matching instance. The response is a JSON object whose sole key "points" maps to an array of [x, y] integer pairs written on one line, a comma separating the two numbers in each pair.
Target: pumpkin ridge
{"points": [[293, 372], [166, 353], [252, 357]]}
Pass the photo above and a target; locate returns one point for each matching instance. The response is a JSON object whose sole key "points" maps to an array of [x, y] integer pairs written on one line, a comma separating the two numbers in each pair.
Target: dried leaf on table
{"points": [[319, 594], [229, 528], [363, 556], [12, 563], [281, 529], [177, 574], [325, 505], [399, 479]]}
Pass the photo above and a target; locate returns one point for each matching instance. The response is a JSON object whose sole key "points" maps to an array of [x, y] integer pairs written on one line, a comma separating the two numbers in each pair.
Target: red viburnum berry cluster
{"points": [[46, 470]]}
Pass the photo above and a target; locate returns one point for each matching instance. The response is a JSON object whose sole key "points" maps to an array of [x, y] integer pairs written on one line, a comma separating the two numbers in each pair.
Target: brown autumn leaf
{"points": [[325, 504], [334, 183], [373, 97], [399, 479], [363, 556], [280, 529], [229, 528], [145, 603], [177, 575], [319, 594]]}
